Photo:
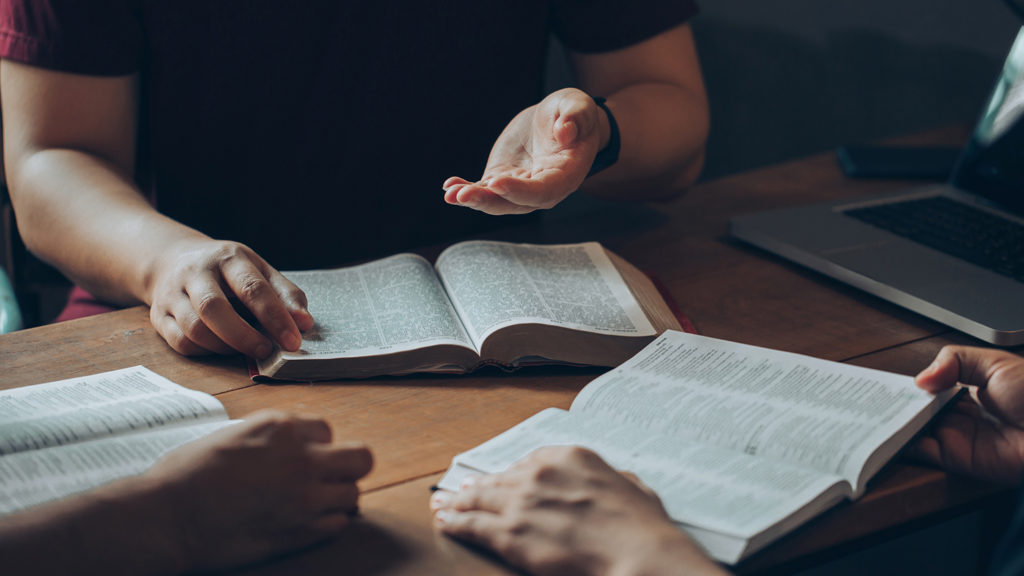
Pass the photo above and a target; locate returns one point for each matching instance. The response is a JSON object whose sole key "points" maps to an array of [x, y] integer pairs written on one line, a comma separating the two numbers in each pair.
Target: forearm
{"points": [[84, 216], [122, 528], [663, 128]]}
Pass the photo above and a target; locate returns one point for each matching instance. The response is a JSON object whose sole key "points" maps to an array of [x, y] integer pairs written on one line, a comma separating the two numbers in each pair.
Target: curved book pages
{"points": [[743, 444], [69, 436], [482, 303]]}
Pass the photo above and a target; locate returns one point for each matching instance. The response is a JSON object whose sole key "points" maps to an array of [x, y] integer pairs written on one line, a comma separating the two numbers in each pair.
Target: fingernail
{"points": [[468, 482], [440, 499], [442, 517]]}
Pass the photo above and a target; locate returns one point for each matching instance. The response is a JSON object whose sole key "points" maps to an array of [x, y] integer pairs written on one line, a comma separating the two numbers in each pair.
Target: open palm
{"points": [[541, 157]]}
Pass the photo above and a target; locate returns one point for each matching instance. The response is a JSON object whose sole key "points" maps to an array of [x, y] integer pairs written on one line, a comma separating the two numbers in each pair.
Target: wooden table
{"points": [[416, 424]]}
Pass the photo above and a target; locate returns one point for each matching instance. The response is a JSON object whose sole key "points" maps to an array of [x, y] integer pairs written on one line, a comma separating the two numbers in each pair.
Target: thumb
{"points": [[576, 119], [966, 364]]}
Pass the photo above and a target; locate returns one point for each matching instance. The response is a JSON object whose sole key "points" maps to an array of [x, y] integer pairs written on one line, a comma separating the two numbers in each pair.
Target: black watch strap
{"points": [[610, 153]]}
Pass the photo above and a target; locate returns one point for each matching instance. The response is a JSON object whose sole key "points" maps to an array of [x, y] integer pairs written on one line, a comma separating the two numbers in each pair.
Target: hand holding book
{"points": [[966, 441]]}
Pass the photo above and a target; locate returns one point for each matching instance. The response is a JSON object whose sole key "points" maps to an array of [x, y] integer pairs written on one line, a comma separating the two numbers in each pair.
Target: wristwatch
{"points": [[610, 153]]}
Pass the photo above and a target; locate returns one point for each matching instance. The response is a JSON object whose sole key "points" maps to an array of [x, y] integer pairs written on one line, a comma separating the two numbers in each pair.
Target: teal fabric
{"points": [[10, 315]]}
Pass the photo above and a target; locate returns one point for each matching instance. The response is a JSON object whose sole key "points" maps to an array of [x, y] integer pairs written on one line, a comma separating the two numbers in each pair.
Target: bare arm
{"points": [[656, 93], [69, 151]]}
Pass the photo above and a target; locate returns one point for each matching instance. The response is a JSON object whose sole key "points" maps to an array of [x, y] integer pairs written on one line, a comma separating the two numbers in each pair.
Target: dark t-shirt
{"points": [[320, 132]]}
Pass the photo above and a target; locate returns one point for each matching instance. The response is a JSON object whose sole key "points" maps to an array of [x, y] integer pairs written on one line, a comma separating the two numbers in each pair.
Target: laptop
{"points": [[953, 252]]}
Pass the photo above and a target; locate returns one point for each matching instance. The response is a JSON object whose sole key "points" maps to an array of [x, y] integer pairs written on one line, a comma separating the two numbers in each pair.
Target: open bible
{"points": [[64, 437], [482, 303], [743, 444]]}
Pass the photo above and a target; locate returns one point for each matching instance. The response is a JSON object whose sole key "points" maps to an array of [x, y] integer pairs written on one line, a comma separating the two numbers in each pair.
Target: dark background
{"points": [[787, 78]]}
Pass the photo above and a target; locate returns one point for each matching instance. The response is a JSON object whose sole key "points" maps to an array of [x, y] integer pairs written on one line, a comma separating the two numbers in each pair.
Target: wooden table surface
{"points": [[415, 425]]}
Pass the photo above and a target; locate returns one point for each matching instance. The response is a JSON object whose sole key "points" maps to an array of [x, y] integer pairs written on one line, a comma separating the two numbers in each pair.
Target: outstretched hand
{"points": [[983, 435], [540, 158]]}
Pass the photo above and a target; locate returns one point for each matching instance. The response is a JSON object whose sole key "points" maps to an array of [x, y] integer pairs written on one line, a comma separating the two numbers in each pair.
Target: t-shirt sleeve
{"points": [[95, 37], [605, 25]]}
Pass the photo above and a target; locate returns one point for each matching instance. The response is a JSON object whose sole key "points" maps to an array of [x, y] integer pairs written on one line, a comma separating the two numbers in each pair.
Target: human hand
{"points": [[563, 511], [271, 484], [190, 289], [541, 157], [983, 435]]}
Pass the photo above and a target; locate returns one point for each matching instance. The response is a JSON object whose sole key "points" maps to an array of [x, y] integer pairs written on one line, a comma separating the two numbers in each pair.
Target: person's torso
{"points": [[320, 132]]}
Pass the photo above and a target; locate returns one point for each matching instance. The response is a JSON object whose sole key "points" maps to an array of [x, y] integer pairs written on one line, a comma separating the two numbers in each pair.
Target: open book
{"points": [[64, 437], [483, 303], [743, 444]]}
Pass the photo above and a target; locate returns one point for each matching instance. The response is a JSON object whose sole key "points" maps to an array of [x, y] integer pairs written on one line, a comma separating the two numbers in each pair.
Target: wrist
{"points": [[668, 551], [146, 509], [608, 138]]}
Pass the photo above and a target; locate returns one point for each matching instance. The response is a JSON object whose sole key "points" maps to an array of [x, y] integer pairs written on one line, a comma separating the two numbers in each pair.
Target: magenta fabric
{"points": [[81, 304], [319, 132]]}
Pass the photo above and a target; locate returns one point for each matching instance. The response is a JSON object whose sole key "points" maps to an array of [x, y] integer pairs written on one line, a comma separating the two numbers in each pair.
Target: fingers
{"points": [[483, 199], [194, 329], [311, 429], [257, 293], [965, 364], [167, 326], [344, 463], [335, 497], [215, 311], [292, 296], [478, 493], [482, 528], [926, 450], [518, 194]]}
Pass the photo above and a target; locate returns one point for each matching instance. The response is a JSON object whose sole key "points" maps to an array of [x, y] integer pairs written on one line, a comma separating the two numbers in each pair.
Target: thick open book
{"points": [[64, 437], [482, 303], [743, 444]]}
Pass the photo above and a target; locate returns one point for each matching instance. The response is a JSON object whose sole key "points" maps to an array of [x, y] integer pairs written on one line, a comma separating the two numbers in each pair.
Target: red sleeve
{"points": [[605, 25], [96, 37]]}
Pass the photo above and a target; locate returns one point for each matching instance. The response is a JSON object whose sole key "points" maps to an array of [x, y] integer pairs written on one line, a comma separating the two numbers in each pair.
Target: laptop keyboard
{"points": [[957, 229]]}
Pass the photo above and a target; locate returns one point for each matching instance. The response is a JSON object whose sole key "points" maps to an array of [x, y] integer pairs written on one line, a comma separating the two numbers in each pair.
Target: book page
{"points": [[385, 306], [37, 476], [811, 412], [717, 489], [77, 409], [496, 284]]}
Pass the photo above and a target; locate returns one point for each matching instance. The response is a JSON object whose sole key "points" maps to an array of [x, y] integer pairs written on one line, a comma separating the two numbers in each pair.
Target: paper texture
{"points": [[64, 437], [101, 405], [385, 306], [494, 284]]}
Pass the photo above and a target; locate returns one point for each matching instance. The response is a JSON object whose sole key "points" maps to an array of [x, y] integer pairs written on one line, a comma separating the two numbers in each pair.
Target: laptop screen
{"points": [[992, 165]]}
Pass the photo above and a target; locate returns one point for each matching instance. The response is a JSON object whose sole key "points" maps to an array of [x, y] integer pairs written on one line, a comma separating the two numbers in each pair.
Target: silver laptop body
{"points": [[982, 302]]}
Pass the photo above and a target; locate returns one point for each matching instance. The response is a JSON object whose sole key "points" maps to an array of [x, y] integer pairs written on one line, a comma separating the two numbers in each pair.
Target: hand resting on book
{"points": [[269, 485], [563, 510], [191, 285]]}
